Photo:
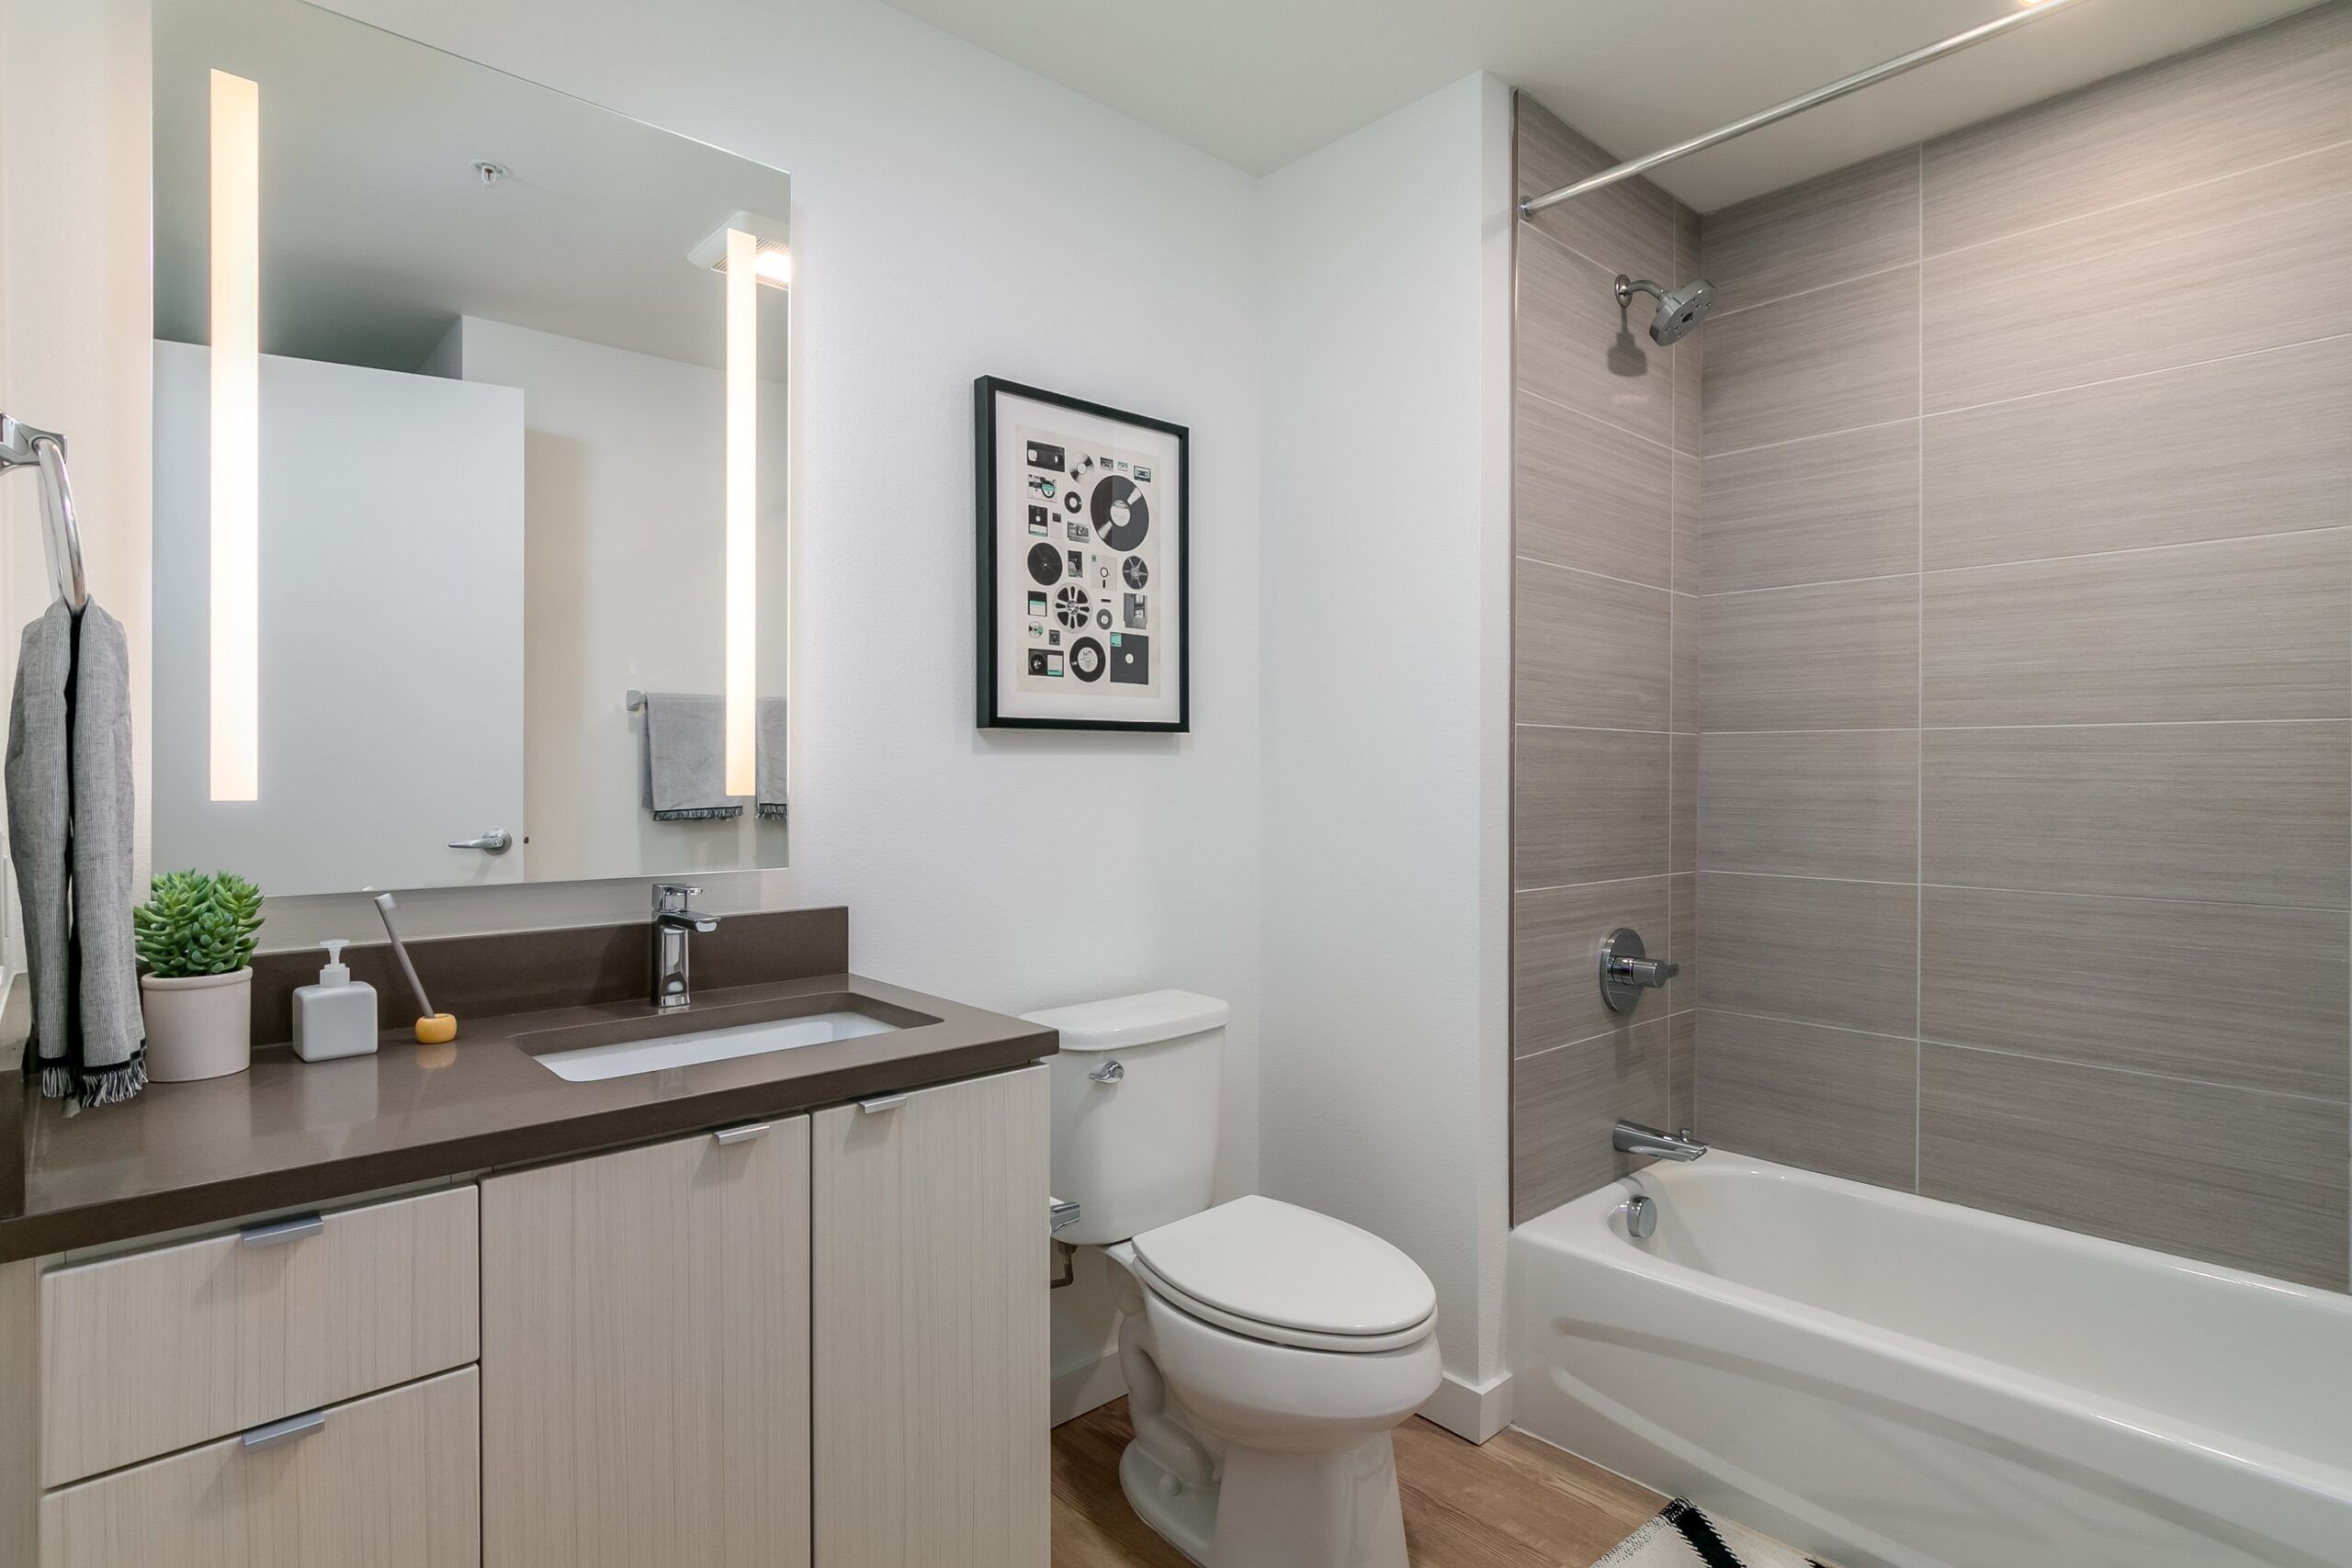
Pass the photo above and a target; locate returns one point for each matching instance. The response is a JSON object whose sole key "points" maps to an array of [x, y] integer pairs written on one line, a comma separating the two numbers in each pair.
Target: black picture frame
{"points": [[987, 598]]}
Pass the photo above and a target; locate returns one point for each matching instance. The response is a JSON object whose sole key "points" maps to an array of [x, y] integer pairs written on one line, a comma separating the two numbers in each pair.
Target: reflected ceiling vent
{"points": [[773, 258]]}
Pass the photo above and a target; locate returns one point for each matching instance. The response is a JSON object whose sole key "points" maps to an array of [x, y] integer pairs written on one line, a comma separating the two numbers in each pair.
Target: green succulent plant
{"points": [[196, 924]]}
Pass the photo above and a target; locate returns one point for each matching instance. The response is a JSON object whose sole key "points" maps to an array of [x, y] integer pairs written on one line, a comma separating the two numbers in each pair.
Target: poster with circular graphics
{"points": [[1083, 610]]}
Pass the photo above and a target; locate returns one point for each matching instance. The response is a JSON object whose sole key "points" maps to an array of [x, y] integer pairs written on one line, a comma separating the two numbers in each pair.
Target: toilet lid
{"points": [[1268, 1262]]}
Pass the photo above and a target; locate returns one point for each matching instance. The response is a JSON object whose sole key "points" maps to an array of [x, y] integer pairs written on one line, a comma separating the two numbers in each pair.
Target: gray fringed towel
{"points": [[685, 758], [773, 731], [69, 819]]}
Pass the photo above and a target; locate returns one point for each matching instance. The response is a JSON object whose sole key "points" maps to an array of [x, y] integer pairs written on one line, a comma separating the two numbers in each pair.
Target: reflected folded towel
{"points": [[772, 733], [685, 758]]}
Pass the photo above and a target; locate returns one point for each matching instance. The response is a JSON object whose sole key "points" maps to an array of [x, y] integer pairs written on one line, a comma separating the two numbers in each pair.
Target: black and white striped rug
{"points": [[1682, 1537]]}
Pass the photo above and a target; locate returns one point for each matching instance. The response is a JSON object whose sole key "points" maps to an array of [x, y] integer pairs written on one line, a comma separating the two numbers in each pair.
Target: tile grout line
{"points": [[2234, 541], [1626, 431], [1922, 255], [2223, 177], [2337, 911], [1926, 414], [1812, 289], [2075, 1062], [1919, 717]]}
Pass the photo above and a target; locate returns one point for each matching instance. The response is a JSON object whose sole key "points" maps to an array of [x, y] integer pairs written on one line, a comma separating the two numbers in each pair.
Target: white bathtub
{"points": [[1895, 1383]]}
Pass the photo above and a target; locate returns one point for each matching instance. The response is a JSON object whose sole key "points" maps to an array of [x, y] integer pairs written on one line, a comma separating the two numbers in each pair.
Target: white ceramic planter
{"points": [[199, 1026]]}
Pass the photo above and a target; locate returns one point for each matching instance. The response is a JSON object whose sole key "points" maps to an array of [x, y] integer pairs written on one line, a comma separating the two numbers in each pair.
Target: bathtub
{"points": [[1895, 1383]]}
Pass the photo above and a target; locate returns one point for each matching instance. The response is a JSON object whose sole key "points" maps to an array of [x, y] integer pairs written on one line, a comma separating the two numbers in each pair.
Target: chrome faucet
{"points": [[1632, 1138], [673, 922]]}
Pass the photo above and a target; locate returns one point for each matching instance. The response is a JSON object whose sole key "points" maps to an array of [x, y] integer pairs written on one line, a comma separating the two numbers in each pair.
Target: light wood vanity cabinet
{"points": [[932, 1378], [824, 1341], [829, 1335], [645, 1355]]}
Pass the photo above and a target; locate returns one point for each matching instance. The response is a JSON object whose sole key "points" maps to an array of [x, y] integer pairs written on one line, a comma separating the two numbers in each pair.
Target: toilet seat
{"points": [[1285, 1275]]}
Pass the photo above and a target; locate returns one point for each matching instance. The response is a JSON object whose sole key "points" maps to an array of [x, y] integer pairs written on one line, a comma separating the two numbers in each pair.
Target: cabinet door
{"points": [[930, 1256], [385, 1481], [645, 1357]]}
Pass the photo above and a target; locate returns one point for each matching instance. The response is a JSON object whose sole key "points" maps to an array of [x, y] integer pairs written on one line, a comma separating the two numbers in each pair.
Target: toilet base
{"points": [[1277, 1510], [1184, 1517]]}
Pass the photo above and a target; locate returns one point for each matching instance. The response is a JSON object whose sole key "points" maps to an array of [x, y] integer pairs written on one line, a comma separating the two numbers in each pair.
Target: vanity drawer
{"points": [[392, 1479], [157, 1350]]}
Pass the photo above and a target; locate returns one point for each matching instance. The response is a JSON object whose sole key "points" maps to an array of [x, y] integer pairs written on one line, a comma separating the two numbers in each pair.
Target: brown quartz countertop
{"points": [[290, 1133]]}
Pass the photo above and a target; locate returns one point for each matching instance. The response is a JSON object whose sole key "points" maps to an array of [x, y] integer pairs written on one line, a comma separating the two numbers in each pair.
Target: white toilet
{"points": [[1268, 1349]]}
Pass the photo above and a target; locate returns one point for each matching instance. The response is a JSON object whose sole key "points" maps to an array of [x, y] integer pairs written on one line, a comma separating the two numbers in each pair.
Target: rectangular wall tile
{"points": [[1805, 366], [1556, 953], [1860, 218], [1682, 1073], [2280, 90], [1823, 509], [2243, 629], [1689, 355], [1589, 805], [1687, 647], [2254, 1180], [1588, 650], [1683, 943], [1682, 819], [2232, 993], [2261, 444], [1587, 494], [1843, 954], [1841, 656], [1564, 1103], [2160, 283], [1829, 803], [1627, 227], [2223, 813], [1684, 514], [1576, 348], [1824, 1100]]}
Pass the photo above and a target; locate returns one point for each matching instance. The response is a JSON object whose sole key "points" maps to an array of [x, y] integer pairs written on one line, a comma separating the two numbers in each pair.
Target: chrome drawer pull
{"points": [[741, 1133], [886, 1102], [285, 1431], [294, 1227]]}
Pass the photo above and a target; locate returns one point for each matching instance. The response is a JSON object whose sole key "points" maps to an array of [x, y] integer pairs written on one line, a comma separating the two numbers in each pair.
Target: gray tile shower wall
{"points": [[2025, 774], [1605, 667]]}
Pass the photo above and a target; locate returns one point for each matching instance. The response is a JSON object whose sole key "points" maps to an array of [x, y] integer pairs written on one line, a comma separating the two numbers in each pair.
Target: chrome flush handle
{"points": [[1109, 1072]]}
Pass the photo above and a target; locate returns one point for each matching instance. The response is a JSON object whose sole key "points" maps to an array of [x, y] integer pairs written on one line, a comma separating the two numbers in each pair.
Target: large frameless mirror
{"points": [[470, 415]]}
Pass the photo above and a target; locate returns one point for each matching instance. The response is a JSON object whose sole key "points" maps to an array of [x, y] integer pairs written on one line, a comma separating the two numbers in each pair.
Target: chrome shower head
{"points": [[1678, 313]]}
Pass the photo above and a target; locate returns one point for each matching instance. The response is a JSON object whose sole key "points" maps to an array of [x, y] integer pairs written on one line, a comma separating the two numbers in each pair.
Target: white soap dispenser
{"points": [[337, 1015]]}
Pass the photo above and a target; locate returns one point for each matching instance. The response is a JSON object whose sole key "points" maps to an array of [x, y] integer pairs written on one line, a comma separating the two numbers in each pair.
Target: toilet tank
{"points": [[1134, 1093]]}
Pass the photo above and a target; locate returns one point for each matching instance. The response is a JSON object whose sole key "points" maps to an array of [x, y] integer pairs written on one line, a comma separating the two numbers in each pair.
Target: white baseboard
{"points": [[1470, 1410], [1086, 1386]]}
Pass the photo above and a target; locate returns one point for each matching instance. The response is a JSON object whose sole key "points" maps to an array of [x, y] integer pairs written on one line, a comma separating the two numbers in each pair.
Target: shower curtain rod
{"points": [[1796, 105]]}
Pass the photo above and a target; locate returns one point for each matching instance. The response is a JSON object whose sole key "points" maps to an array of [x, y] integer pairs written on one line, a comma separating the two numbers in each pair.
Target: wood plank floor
{"points": [[1514, 1503]]}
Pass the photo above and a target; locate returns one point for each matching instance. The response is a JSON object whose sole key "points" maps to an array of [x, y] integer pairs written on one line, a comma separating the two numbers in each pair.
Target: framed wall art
{"points": [[1083, 597]]}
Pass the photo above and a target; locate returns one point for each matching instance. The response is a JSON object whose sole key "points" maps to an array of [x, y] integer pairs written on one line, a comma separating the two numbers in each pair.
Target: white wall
{"points": [[1383, 1084], [75, 345], [620, 588]]}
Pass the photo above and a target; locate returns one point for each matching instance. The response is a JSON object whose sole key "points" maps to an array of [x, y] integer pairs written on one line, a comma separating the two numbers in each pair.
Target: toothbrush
{"points": [[432, 1028]]}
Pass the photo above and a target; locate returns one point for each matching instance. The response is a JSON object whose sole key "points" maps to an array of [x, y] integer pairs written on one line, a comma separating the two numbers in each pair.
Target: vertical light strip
{"points": [[236, 522], [743, 512]]}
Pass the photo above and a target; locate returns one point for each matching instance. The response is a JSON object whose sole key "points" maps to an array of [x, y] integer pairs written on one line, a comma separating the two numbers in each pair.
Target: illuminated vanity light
{"points": [[775, 266], [743, 512], [235, 466]]}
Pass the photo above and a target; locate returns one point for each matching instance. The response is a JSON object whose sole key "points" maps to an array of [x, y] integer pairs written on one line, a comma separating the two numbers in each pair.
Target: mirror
{"points": [[470, 429]]}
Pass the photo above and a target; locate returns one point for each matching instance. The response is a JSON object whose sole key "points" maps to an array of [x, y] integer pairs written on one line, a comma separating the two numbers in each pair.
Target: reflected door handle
{"points": [[497, 841]]}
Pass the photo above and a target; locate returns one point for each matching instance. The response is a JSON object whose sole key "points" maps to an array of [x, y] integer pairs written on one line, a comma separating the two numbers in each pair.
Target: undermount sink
{"points": [[621, 1048]]}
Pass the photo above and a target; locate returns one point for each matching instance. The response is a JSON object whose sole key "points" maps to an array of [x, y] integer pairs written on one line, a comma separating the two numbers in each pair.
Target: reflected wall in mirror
{"points": [[470, 429]]}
